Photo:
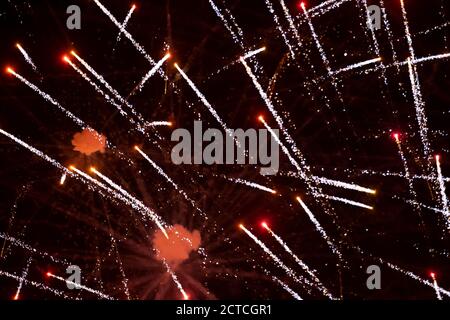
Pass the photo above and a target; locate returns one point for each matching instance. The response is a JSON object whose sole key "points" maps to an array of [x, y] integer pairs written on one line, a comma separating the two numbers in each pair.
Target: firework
{"points": [[125, 22], [319, 227], [22, 278], [152, 71], [299, 261], [26, 56], [47, 97], [80, 286], [253, 185], [436, 287], [444, 200]]}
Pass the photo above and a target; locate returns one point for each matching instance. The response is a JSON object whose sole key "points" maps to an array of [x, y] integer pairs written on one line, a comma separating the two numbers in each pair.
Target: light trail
{"points": [[125, 22], [441, 183], [47, 97], [253, 185], [347, 201], [298, 260], [22, 278], [26, 56], [319, 228], [357, 65], [80, 286]]}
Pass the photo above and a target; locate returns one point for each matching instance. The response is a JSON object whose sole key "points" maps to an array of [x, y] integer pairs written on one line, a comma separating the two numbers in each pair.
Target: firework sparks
{"points": [[253, 185], [23, 278], [441, 183], [319, 227], [125, 23], [277, 260], [299, 261], [26, 57], [347, 201], [80, 286], [47, 97], [436, 287], [149, 74]]}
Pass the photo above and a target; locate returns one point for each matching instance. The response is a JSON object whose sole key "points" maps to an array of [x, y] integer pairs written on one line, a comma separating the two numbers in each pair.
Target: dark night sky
{"points": [[338, 138]]}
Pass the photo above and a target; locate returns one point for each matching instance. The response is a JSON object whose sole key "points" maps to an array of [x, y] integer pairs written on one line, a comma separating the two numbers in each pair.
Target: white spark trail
{"points": [[202, 98], [125, 22], [177, 282], [286, 287], [124, 196], [35, 284], [357, 65], [96, 87], [436, 288], [347, 201], [80, 286], [441, 183], [299, 262], [253, 185], [176, 187], [319, 228], [412, 191], [134, 203], [277, 260], [127, 35], [149, 74], [420, 109], [159, 124], [26, 56], [253, 53], [345, 185], [48, 98], [109, 87], [23, 278], [407, 273]]}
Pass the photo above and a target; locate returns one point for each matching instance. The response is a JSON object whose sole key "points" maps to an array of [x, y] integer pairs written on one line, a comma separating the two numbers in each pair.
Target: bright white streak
{"points": [[444, 200], [108, 86], [22, 278], [159, 123], [26, 56], [177, 282], [253, 185], [150, 74], [344, 185], [63, 179], [286, 287], [96, 87], [319, 227], [347, 201], [407, 174], [133, 199], [277, 260], [80, 286], [299, 261], [35, 284], [436, 288], [202, 98], [134, 203], [280, 29], [176, 187], [253, 53], [126, 33], [48, 98], [125, 22], [357, 65], [420, 110]]}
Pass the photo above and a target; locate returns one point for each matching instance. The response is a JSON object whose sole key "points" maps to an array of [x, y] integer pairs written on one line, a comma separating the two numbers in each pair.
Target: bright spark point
{"points": [[241, 226], [16, 297], [433, 275], [9, 70], [264, 225], [63, 179], [261, 118]]}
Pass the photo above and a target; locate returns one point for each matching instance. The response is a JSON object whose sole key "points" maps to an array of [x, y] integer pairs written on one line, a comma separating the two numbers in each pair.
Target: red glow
{"points": [[438, 157], [65, 58], [433, 275], [48, 274], [16, 296], [261, 118], [302, 5], [264, 225], [9, 70], [185, 296], [396, 135], [134, 6]]}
